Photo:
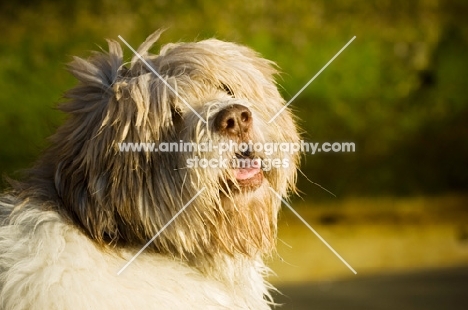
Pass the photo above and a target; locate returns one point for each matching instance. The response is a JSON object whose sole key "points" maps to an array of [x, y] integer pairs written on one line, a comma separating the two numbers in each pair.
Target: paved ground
{"points": [[445, 289]]}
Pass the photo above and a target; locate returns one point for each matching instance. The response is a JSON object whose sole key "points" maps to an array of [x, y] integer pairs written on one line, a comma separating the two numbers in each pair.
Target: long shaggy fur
{"points": [[86, 207]]}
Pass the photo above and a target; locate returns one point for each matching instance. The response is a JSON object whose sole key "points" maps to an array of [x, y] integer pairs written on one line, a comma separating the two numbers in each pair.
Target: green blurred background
{"points": [[399, 91]]}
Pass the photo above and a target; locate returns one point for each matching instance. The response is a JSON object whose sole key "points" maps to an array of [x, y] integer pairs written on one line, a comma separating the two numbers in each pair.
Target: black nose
{"points": [[235, 121]]}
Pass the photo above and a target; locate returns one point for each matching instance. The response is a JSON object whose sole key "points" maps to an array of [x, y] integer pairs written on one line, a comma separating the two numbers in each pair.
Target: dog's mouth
{"points": [[248, 172], [248, 177]]}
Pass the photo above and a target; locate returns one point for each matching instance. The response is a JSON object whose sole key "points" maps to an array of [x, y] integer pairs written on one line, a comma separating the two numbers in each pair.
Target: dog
{"points": [[87, 207]]}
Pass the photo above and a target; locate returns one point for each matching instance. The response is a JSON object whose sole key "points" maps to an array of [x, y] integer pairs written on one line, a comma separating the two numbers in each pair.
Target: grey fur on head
{"points": [[125, 198]]}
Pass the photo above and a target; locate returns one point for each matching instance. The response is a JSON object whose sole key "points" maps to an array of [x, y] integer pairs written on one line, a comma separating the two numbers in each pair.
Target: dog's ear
{"points": [[101, 186], [97, 73]]}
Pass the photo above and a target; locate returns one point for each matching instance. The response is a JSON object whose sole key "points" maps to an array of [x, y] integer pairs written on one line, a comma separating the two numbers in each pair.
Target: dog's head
{"points": [[200, 104]]}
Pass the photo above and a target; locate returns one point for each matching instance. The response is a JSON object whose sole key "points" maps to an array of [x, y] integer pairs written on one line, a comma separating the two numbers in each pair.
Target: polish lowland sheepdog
{"points": [[87, 207]]}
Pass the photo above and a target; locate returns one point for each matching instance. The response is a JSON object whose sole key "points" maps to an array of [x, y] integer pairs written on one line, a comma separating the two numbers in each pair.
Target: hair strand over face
{"points": [[125, 198]]}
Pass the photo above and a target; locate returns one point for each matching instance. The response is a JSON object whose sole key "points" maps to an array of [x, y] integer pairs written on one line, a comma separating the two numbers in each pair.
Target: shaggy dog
{"points": [[87, 207]]}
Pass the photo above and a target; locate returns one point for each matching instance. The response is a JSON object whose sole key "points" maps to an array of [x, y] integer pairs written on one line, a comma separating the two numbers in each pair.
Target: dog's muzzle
{"points": [[235, 123]]}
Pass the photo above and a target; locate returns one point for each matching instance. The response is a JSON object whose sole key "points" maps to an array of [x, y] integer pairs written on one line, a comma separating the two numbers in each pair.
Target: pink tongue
{"points": [[245, 173]]}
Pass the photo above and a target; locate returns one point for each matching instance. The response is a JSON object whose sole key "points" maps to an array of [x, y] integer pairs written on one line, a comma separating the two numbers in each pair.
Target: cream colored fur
{"points": [[81, 213], [49, 264]]}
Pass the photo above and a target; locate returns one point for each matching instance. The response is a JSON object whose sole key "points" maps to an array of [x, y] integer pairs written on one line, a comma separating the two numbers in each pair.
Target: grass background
{"points": [[398, 91]]}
